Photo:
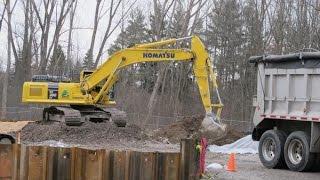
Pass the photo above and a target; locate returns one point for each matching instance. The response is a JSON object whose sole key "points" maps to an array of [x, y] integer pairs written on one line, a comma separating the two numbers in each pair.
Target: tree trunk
{"points": [[6, 76], [69, 62], [95, 28]]}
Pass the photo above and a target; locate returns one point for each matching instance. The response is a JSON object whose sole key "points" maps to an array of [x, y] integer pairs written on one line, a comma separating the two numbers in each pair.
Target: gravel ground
{"points": [[249, 167]]}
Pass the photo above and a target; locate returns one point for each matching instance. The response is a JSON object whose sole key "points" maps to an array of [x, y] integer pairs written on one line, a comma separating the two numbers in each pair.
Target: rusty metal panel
{"points": [[77, 166], [60, 163], [37, 162], [106, 166], [23, 174], [16, 162], [89, 164], [188, 171], [33, 162], [147, 165], [119, 165], [127, 164], [134, 167], [167, 166], [172, 162], [6, 161], [142, 166], [94, 164]]}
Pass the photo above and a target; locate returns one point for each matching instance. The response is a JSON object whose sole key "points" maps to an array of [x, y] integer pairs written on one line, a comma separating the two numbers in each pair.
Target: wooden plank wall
{"points": [[51, 163]]}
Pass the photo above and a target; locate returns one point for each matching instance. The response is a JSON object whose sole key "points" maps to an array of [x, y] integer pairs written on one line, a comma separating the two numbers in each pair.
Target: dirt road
{"points": [[250, 168]]}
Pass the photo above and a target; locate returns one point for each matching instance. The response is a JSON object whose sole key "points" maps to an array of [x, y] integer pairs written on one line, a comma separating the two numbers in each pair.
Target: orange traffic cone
{"points": [[231, 165]]}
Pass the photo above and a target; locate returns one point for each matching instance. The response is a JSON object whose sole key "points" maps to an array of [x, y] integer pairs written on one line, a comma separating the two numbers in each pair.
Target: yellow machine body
{"points": [[93, 88], [53, 93]]}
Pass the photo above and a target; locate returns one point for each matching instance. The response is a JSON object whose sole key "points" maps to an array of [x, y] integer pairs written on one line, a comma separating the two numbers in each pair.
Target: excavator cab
{"points": [[84, 74]]}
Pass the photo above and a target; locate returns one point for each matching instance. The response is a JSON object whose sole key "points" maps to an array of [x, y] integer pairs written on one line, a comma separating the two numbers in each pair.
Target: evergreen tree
{"points": [[226, 39], [175, 27], [136, 32], [75, 73], [88, 61], [57, 62]]}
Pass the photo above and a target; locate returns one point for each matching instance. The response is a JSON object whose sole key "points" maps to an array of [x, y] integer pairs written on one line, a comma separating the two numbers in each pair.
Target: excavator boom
{"points": [[94, 87]]}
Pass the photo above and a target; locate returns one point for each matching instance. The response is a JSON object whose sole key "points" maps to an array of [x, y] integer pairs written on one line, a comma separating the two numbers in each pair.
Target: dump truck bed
{"points": [[288, 87]]}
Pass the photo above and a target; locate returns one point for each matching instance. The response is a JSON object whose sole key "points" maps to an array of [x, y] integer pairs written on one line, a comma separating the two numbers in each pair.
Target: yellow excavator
{"points": [[89, 99]]}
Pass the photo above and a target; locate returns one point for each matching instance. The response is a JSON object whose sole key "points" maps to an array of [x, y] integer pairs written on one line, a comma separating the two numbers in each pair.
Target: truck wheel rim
{"points": [[268, 149], [295, 150]]}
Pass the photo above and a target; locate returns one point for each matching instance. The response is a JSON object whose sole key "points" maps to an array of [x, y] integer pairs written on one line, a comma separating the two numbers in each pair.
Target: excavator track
{"points": [[77, 115], [117, 116], [66, 114]]}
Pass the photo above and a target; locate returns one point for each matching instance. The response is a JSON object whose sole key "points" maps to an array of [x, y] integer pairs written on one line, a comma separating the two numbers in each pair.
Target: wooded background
{"points": [[233, 30]]}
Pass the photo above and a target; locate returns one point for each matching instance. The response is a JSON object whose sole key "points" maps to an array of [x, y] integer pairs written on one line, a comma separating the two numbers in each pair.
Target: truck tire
{"points": [[271, 146], [297, 152]]}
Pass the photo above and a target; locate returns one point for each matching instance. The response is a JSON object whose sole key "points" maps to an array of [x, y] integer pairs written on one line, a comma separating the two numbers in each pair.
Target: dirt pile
{"points": [[189, 127], [92, 135], [108, 135]]}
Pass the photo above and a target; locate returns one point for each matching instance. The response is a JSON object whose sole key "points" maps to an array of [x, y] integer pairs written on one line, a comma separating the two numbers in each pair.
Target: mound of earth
{"points": [[92, 135], [189, 127]]}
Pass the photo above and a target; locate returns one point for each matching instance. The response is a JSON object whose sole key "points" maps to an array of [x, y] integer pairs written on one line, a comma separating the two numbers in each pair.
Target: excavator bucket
{"points": [[211, 123]]}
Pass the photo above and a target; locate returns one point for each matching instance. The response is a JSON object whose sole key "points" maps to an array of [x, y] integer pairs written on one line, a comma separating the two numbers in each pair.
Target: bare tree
{"points": [[44, 24], [112, 11], [72, 13], [64, 10], [95, 28], [6, 76], [3, 13]]}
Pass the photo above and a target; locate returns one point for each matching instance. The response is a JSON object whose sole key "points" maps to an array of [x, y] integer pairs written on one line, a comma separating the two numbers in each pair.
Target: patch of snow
{"points": [[52, 143], [244, 145], [214, 166]]}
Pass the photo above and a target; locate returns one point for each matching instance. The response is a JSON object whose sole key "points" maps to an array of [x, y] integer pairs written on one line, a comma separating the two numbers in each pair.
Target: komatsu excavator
{"points": [[88, 100]]}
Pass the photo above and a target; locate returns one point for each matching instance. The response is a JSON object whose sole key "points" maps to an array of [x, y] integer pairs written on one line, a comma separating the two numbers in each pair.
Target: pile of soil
{"points": [[92, 135], [189, 127], [108, 135]]}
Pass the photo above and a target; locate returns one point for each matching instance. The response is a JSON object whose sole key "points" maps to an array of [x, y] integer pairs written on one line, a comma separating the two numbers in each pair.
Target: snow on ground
{"points": [[244, 145], [51, 143], [214, 166]]}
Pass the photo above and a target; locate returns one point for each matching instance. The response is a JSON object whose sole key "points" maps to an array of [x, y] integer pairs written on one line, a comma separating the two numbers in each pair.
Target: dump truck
{"points": [[287, 110], [89, 100]]}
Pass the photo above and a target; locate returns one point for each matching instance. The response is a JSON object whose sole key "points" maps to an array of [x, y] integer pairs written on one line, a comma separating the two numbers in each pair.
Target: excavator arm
{"points": [[152, 52]]}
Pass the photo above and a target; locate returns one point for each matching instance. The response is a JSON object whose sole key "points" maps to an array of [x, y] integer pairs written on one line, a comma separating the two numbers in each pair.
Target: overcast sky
{"points": [[83, 19]]}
